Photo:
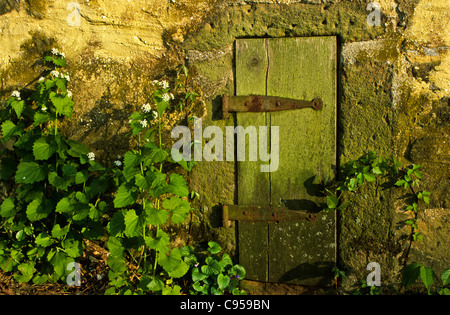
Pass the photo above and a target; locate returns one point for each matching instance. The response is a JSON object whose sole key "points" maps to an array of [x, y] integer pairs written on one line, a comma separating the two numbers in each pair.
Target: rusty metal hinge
{"points": [[258, 103], [253, 213]]}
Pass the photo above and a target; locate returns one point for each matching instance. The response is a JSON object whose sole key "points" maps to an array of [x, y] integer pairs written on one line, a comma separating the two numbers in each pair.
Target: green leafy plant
{"points": [[147, 198], [414, 271], [53, 204], [216, 273]]}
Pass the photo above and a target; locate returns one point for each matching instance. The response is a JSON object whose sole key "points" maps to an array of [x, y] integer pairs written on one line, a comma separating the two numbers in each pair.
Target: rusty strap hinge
{"points": [[258, 103], [253, 213]]}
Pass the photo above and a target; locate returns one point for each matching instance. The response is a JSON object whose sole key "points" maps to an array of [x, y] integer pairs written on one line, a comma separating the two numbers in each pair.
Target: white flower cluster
{"points": [[144, 123], [167, 97], [69, 94], [56, 52], [146, 108], [91, 156], [162, 84], [118, 162], [16, 94], [61, 75]]}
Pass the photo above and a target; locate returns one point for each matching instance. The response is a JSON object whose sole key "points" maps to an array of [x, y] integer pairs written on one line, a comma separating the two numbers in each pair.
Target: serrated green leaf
{"points": [[116, 224], [115, 247], [58, 261], [9, 129], [64, 205], [38, 209], [57, 181], [81, 177], [155, 216], [40, 118], [18, 107], [141, 182], [58, 232], [134, 223], [410, 274], [30, 172], [63, 104], [26, 270], [427, 275], [72, 246], [160, 243], [172, 261], [177, 185], [178, 207], [8, 208], [126, 195], [156, 284], [446, 277], [43, 239]]}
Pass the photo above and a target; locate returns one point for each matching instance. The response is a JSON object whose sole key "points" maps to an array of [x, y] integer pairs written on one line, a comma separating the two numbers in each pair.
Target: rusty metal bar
{"points": [[258, 103], [254, 213]]}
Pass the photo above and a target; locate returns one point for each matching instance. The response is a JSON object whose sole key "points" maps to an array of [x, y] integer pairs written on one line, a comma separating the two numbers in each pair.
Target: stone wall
{"points": [[393, 94]]}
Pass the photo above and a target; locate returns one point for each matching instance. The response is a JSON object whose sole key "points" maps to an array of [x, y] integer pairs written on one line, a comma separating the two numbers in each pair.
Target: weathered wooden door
{"points": [[301, 252]]}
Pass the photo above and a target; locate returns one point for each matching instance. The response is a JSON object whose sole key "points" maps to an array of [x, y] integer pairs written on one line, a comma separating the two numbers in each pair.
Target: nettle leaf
{"points": [[126, 195], [179, 208], [30, 172], [134, 223], [18, 107], [63, 104]]}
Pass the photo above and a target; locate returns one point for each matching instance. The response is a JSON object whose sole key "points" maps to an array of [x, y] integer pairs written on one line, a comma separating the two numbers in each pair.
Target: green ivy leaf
{"points": [[30, 172]]}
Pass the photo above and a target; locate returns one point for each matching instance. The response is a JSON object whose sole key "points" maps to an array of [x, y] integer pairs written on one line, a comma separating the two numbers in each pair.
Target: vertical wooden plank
{"points": [[302, 68], [253, 185]]}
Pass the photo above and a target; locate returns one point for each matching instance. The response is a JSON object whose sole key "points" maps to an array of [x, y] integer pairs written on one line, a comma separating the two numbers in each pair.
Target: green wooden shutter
{"points": [[300, 251]]}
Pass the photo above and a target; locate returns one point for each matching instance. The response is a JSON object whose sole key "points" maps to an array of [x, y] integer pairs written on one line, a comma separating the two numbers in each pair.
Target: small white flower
{"points": [[41, 79], [171, 96], [66, 76], [44, 108], [155, 114], [69, 94], [118, 163], [164, 84], [91, 156], [16, 94], [55, 73], [166, 97], [155, 82], [144, 123], [55, 51], [146, 108]]}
